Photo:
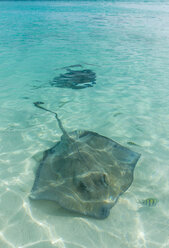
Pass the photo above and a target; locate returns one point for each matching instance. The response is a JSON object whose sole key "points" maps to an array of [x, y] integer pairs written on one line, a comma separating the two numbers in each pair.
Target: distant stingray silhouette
{"points": [[75, 79]]}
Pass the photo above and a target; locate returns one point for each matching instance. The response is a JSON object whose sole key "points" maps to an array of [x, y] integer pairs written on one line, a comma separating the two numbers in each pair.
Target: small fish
{"points": [[116, 114], [25, 97], [150, 202], [131, 143]]}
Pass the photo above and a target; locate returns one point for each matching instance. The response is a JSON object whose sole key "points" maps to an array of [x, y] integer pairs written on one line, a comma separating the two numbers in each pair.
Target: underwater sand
{"points": [[127, 46]]}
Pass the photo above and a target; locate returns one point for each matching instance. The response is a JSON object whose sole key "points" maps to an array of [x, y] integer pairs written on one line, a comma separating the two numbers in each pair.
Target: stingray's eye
{"points": [[82, 186], [104, 180]]}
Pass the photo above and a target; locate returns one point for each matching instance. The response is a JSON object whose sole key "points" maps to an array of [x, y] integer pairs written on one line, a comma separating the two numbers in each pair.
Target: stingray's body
{"points": [[75, 79], [84, 172]]}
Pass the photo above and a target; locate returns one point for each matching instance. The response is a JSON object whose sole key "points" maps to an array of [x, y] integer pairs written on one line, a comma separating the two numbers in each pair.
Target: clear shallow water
{"points": [[128, 45]]}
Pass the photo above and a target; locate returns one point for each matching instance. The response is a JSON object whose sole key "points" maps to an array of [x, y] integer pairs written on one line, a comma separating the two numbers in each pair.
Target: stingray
{"points": [[75, 79], [84, 172]]}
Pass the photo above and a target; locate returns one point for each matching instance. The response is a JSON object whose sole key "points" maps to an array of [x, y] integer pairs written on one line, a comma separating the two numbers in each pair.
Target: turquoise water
{"points": [[127, 45]]}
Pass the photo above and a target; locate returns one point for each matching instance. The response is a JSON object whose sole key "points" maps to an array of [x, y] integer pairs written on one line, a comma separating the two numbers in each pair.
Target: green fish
{"points": [[131, 143], [150, 202]]}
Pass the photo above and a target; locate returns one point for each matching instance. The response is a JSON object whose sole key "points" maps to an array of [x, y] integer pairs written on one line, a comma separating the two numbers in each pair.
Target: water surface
{"points": [[127, 45]]}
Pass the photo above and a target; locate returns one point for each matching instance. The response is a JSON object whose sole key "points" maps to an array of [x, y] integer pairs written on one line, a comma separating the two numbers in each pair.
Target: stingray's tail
{"points": [[38, 105]]}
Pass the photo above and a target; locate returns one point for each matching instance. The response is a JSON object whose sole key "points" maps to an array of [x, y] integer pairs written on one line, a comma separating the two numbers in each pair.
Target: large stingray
{"points": [[84, 172], [75, 79]]}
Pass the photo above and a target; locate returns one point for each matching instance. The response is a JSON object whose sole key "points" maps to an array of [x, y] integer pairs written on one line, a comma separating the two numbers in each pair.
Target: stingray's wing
{"points": [[102, 143], [114, 159], [47, 178], [55, 170], [56, 174]]}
